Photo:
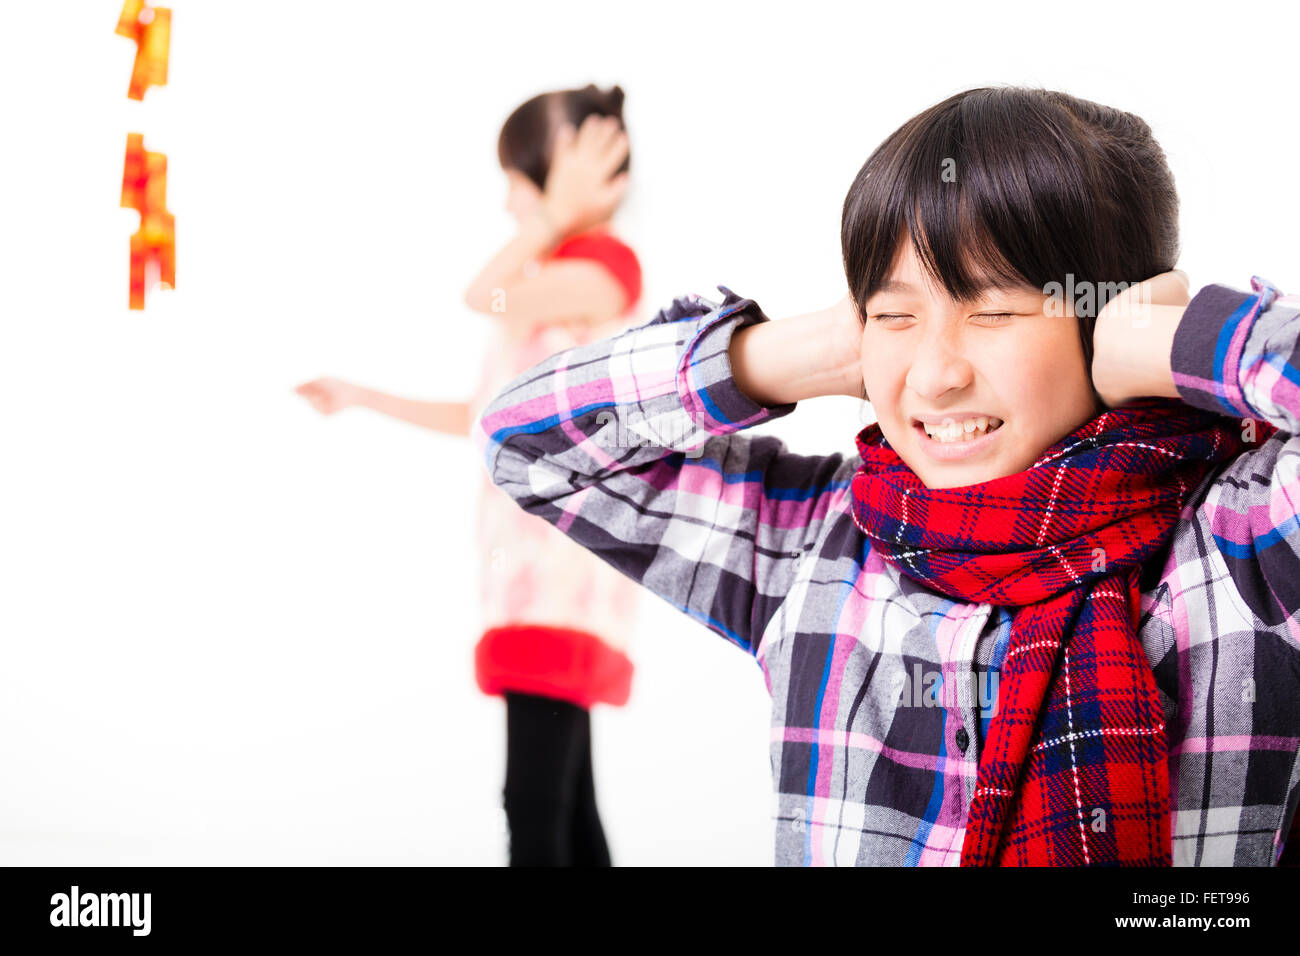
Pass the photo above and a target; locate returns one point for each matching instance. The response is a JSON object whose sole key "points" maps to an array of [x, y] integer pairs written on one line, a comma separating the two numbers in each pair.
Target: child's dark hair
{"points": [[1015, 184], [528, 135]]}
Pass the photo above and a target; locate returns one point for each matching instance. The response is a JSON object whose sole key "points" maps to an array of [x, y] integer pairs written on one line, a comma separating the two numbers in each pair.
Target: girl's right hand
{"points": [[579, 191], [846, 342], [328, 395], [806, 356]]}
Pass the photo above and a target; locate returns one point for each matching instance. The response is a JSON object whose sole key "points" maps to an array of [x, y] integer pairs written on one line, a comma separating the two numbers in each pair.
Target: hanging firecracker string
{"points": [[144, 175]]}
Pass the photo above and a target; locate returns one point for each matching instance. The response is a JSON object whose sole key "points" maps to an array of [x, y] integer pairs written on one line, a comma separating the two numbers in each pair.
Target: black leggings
{"points": [[550, 794]]}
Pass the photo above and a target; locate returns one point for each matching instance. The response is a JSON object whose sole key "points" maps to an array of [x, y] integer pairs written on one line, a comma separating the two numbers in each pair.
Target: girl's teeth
{"points": [[968, 430]]}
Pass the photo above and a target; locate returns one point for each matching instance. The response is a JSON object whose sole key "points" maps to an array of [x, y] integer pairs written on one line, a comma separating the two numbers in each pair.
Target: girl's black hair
{"points": [[1016, 184], [528, 134]]}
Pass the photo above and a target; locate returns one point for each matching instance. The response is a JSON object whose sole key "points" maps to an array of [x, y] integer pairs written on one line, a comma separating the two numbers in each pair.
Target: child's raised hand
{"points": [[848, 346], [1133, 337], [579, 191], [808, 355], [328, 395]]}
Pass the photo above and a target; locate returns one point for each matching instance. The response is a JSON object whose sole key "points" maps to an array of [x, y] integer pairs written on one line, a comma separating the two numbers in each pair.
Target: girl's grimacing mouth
{"points": [[957, 427], [955, 450]]}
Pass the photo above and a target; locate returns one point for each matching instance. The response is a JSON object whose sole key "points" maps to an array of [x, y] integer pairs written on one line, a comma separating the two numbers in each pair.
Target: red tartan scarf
{"points": [[1074, 770]]}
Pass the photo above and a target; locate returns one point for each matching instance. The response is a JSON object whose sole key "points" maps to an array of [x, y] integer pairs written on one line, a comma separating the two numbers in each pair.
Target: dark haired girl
{"points": [[556, 619], [1049, 614]]}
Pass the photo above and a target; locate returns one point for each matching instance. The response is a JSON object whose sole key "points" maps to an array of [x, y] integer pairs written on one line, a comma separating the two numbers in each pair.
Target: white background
{"points": [[233, 631]]}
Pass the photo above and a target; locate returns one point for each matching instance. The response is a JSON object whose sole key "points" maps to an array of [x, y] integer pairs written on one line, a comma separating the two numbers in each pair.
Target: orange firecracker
{"points": [[151, 29], [144, 189]]}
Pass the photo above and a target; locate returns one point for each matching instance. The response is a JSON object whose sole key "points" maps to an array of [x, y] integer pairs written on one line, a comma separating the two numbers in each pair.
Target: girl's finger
{"points": [[617, 149], [590, 130], [598, 133], [609, 156], [617, 143], [608, 129], [616, 189]]}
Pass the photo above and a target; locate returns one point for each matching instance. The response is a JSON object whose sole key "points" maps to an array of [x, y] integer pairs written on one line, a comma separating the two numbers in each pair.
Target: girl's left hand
{"points": [[1133, 338], [328, 395], [579, 191]]}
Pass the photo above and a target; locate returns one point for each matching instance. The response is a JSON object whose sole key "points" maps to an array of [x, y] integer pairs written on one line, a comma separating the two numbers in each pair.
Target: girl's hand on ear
{"points": [[847, 345], [579, 191], [805, 356], [1133, 338]]}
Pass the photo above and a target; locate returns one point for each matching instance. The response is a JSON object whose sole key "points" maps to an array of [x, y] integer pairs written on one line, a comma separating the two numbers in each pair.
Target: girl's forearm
{"points": [[788, 360], [536, 235], [450, 418]]}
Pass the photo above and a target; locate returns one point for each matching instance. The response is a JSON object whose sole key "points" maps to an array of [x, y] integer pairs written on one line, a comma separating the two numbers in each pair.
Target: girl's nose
{"points": [[937, 367]]}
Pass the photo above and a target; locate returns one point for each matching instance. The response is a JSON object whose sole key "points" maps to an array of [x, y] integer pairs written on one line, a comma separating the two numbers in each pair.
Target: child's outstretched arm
{"points": [[630, 446], [330, 395]]}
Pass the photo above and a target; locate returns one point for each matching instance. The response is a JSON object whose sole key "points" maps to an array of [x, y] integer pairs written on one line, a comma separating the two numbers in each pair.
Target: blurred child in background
{"points": [[556, 618]]}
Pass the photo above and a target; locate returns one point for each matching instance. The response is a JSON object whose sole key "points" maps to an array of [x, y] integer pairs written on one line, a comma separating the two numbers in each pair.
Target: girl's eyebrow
{"points": [[898, 287]]}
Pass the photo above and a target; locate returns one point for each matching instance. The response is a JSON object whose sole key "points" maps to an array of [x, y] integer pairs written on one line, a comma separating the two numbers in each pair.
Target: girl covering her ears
{"points": [[1049, 613], [556, 618]]}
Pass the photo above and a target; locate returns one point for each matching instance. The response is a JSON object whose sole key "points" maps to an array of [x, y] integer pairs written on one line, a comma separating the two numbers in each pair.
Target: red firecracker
{"points": [[151, 29], [144, 189]]}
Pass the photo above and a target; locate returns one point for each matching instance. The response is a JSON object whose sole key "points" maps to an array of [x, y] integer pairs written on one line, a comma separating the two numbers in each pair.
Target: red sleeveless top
{"points": [[600, 246]]}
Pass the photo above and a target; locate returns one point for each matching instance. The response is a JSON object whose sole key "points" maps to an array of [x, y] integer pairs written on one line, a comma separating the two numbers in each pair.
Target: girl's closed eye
{"points": [[995, 318]]}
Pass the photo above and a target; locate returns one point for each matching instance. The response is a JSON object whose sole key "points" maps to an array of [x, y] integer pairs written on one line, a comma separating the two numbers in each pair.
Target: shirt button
{"points": [[963, 739]]}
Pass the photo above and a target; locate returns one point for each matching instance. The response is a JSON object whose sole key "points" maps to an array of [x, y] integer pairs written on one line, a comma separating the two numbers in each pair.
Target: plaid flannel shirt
{"points": [[882, 691]]}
